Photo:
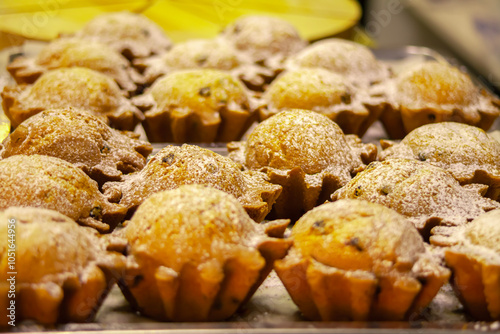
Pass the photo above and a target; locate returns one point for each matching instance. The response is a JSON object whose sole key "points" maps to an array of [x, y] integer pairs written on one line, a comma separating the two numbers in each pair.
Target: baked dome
{"points": [[201, 105], [81, 139], [51, 183], [427, 195], [76, 87], [434, 92], [174, 166], [61, 276], [198, 254], [469, 153], [356, 260], [133, 35], [75, 52], [304, 152]]}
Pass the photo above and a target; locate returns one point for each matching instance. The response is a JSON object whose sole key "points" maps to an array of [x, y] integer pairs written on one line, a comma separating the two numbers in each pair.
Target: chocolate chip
{"points": [[346, 98], [357, 191], [205, 91], [96, 212], [354, 242], [105, 149], [169, 159]]}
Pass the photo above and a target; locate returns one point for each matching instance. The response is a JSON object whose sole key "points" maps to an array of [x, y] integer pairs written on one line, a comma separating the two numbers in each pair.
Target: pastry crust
{"points": [[174, 166], [473, 254], [51, 183], [427, 195], [325, 92], [76, 87], [195, 255], [194, 106], [61, 276], [82, 139], [356, 260], [469, 153], [305, 153], [71, 52], [435, 92], [131, 34]]}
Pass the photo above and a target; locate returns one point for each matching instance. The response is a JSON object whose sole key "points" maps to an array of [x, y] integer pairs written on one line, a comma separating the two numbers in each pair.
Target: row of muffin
{"points": [[434, 180], [198, 88]]}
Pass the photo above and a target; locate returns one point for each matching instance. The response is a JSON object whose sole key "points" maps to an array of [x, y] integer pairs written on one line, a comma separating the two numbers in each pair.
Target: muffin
{"points": [[427, 195], [266, 40], [469, 153], [473, 254], [61, 276], [325, 92], [356, 260], [51, 183], [353, 61], [434, 92], [84, 140], [304, 152], [201, 105], [194, 254], [131, 34], [76, 87], [71, 52], [174, 166]]}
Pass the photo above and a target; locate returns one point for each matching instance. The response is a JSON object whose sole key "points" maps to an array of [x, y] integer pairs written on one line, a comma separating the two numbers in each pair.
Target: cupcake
{"points": [[304, 152], [427, 195], [473, 254], [201, 105], [51, 183], [131, 34], [194, 254], [76, 87], [434, 92], [82, 139], [356, 260], [61, 276], [174, 166], [469, 153], [74, 52], [324, 92]]}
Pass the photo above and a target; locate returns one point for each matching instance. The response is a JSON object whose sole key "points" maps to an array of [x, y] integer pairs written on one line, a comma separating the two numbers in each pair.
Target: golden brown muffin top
{"points": [[485, 231], [204, 92], [51, 183], [435, 83], [459, 148], [264, 37], [351, 59], [424, 193], [132, 34], [49, 245], [80, 138], [71, 52], [192, 224], [358, 235], [299, 138], [174, 166]]}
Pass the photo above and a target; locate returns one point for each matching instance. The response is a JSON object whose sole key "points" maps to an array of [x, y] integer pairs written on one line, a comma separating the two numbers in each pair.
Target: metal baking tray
{"points": [[271, 309]]}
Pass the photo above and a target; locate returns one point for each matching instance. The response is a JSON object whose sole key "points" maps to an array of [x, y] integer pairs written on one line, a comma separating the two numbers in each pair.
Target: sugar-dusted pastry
{"points": [[62, 271], [356, 260], [71, 52], [80, 138], [434, 92], [469, 153], [325, 92], [427, 195], [304, 152], [51, 183], [352, 60], [174, 166], [131, 34], [202, 105], [76, 87], [266, 40], [473, 254], [194, 254]]}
